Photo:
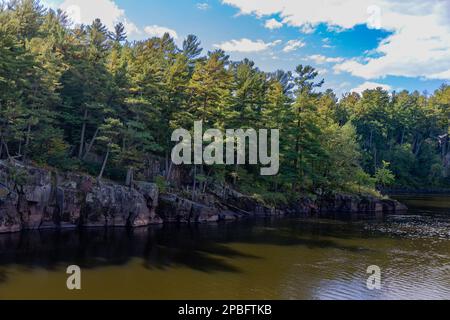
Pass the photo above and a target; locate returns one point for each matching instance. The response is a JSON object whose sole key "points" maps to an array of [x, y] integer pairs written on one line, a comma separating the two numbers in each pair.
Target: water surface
{"points": [[288, 258]]}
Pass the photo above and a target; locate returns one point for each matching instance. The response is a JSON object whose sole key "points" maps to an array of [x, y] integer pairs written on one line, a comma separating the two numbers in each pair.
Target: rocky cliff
{"points": [[35, 198]]}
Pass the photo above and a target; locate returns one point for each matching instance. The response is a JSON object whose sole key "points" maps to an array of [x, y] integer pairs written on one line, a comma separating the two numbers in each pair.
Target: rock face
{"points": [[172, 208], [33, 198], [225, 204], [364, 205], [243, 204]]}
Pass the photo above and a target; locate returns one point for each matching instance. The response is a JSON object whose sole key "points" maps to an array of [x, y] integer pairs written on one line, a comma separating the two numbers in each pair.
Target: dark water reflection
{"points": [[280, 259], [164, 246]]}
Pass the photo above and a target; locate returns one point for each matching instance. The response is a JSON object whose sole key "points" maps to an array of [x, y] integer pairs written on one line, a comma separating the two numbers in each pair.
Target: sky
{"points": [[354, 44]]}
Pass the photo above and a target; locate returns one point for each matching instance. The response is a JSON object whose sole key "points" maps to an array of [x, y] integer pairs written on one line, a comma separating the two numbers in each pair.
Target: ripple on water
{"points": [[413, 226]]}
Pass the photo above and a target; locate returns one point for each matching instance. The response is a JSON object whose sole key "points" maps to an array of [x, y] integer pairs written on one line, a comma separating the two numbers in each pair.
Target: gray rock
{"points": [[173, 208], [50, 200]]}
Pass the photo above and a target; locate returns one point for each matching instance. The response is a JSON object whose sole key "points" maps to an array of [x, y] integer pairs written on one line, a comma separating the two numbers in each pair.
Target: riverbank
{"points": [[406, 191], [34, 198]]}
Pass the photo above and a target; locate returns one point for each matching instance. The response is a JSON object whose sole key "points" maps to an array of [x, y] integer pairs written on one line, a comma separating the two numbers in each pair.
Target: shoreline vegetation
{"points": [[84, 102], [34, 198]]}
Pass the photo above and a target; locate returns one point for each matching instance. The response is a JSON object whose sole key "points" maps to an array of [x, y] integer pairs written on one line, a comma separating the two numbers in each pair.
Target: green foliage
{"points": [[408, 130], [161, 183], [18, 177], [85, 98], [383, 176]]}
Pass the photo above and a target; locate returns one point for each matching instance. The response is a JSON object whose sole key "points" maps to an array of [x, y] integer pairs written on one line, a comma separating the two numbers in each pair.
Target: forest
{"points": [[71, 94]]}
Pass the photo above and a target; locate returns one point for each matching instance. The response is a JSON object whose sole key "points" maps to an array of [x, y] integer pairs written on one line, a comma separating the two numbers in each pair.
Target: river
{"points": [[284, 258]]}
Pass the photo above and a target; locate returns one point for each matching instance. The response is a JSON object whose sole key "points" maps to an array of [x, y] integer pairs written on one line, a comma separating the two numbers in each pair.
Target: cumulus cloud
{"points": [[419, 45], [441, 75], [320, 59], [273, 24], [158, 31], [85, 11], [246, 45], [342, 13], [203, 6], [293, 45], [370, 86]]}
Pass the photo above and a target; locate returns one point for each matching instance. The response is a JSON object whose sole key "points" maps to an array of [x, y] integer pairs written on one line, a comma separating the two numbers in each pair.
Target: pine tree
{"points": [[305, 128]]}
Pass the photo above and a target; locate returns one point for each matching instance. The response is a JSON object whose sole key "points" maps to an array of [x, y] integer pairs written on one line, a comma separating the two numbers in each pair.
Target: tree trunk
{"points": [[375, 160], [83, 133], [1, 148], [206, 181], [129, 179], [91, 143], [298, 155], [104, 164], [20, 148], [7, 150], [27, 143], [170, 172], [166, 163], [194, 183], [418, 147], [235, 173], [202, 183]]}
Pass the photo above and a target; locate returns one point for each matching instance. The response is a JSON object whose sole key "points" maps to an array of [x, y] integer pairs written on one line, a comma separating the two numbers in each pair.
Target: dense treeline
{"points": [[69, 92]]}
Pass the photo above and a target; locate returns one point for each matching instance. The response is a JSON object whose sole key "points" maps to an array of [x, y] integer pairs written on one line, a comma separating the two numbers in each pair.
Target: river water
{"points": [[287, 258]]}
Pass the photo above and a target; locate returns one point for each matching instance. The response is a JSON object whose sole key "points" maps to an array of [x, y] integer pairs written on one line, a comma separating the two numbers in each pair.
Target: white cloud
{"points": [[322, 72], [86, 11], [370, 86], [246, 45], [442, 75], [273, 24], [300, 13], [326, 43], [203, 6], [320, 59], [293, 45], [158, 31], [307, 28], [418, 47]]}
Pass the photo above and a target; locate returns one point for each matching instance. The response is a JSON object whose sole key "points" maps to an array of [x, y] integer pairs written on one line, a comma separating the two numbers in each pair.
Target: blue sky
{"points": [[355, 44]]}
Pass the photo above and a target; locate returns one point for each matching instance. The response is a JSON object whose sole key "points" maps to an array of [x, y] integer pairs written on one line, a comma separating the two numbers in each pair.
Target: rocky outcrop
{"points": [[173, 208], [338, 203], [224, 204], [243, 204], [35, 198], [32, 198], [358, 204]]}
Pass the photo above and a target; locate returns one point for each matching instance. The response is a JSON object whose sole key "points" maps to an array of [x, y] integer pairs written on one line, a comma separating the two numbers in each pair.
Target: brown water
{"points": [[257, 259]]}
